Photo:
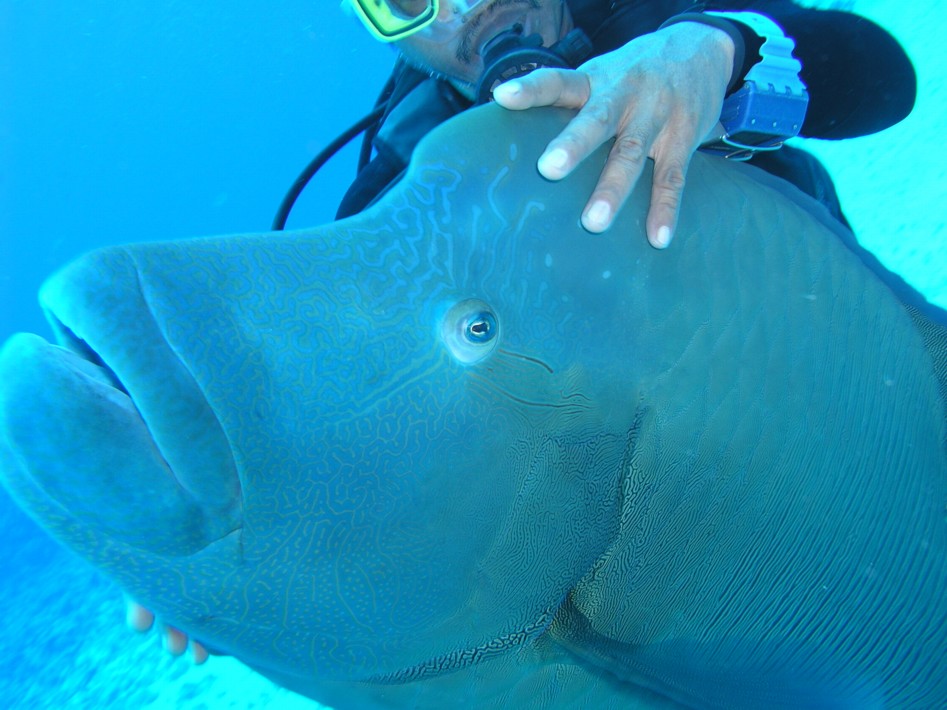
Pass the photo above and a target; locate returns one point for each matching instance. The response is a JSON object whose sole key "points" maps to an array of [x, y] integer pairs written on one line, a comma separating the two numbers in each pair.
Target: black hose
{"points": [[279, 221]]}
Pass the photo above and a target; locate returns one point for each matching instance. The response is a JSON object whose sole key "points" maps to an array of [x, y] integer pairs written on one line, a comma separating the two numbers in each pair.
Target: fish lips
{"points": [[115, 429]]}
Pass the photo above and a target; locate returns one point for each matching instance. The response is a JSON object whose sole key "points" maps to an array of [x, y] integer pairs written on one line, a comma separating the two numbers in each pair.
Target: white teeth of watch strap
{"points": [[778, 67]]}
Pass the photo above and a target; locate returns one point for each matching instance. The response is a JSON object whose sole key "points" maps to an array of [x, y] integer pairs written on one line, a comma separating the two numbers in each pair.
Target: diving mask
{"points": [[391, 20]]}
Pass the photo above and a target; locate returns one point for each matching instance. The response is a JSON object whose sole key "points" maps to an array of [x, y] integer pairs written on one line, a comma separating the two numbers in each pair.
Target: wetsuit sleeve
{"points": [[859, 78], [374, 179], [424, 105]]}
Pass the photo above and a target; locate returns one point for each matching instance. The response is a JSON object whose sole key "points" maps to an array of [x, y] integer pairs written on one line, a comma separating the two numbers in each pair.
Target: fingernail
{"points": [[596, 219], [552, 165], [509, 89], [199, 652], [175, 642], [663, 237], [138, 618]]}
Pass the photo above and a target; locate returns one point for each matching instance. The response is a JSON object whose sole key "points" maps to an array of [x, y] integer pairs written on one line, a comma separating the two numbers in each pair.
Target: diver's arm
{"points": [[656, 94]]}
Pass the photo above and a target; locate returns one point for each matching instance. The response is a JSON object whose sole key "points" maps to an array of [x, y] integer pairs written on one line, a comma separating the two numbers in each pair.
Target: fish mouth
{"points": [[108, 424]]}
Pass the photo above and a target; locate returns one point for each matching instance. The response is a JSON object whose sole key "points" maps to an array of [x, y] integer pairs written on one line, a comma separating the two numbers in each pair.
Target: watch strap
{"points": [[771, 105], [777, 66]]}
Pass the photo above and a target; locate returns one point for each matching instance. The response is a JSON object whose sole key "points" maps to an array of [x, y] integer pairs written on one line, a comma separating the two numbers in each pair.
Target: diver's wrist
{"points": [[770, 105], [722, 41]]}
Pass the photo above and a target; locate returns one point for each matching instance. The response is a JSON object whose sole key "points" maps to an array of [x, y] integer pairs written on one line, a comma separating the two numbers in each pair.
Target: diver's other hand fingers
{"points": [[137, 617], [544, 87], [667, 190], [625, 162], [199, 653], [175, 642]]}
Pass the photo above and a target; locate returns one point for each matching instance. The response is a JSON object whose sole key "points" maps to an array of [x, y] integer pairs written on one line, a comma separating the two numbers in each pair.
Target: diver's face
{"points": [[451, 46]]}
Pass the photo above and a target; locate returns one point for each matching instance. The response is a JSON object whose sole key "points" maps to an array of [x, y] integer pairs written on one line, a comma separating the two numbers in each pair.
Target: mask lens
{"points": [[409, 9], [391, 20]]}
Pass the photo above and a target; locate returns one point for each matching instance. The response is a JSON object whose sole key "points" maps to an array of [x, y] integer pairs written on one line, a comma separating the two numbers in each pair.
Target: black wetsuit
{"points": [[859, 80]]}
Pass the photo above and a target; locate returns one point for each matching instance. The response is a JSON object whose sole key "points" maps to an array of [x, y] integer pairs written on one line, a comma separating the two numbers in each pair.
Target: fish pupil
{"points": [[480, 329]]}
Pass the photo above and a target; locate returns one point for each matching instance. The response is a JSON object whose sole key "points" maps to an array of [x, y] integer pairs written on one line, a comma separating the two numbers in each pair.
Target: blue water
{"points": [[127, 121]]}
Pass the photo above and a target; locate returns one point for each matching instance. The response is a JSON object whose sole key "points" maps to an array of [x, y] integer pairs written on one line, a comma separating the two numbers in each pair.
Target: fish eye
{"points": [[470, 330]]}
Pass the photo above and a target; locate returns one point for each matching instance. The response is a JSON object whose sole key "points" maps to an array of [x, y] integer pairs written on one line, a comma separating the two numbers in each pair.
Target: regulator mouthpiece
{"points": [[511, 54]]}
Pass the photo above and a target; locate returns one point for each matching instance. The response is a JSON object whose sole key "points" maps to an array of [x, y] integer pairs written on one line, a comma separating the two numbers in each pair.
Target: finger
{"points": [[199, 653], [667, 190], [544, 87], [626, 161], [592, 126], [175, 642], [137, 617]]}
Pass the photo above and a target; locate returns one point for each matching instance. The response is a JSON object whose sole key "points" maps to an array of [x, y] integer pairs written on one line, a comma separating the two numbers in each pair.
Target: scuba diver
{"points": [[664, 78]]}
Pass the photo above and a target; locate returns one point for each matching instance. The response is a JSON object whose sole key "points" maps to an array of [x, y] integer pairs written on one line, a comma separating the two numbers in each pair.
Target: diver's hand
{"points": [[175, 642], [659, 96]]}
